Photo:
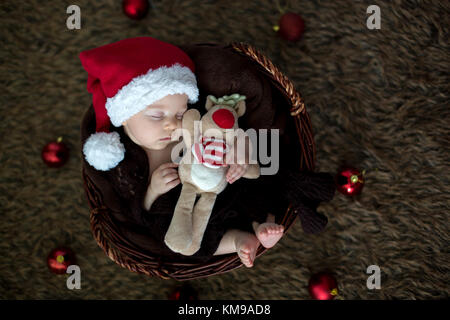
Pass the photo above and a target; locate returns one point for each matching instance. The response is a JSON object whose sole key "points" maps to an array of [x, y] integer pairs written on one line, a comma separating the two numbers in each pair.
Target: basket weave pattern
{"points": [[127, 255]]}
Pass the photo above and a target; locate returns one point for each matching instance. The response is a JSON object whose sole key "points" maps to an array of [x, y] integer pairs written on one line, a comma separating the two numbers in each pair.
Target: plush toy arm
{"points": [[253, 171], [189, 119]]}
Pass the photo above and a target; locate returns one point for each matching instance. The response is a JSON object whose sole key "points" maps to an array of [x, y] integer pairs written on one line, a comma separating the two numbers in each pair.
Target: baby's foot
{"points": [[269, 233], [246, 246]]}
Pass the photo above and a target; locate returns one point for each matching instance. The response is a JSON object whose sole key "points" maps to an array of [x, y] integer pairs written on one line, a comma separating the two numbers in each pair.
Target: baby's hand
{"points": [[164, 178], [238, 160], [236, 171]]}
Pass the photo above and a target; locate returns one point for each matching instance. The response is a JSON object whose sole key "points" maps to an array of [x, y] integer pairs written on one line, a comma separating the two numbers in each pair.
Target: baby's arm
{"points": [[150, 197]]}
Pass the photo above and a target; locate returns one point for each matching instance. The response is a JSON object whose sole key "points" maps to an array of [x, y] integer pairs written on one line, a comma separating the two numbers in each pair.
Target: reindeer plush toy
{"points": [[202, 169]]}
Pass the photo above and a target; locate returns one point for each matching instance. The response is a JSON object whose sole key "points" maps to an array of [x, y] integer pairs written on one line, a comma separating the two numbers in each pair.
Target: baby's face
{"points": [[152, 127]]}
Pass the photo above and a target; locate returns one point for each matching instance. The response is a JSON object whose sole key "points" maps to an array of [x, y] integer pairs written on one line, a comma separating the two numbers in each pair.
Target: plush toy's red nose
{"points": [[223, 118]]}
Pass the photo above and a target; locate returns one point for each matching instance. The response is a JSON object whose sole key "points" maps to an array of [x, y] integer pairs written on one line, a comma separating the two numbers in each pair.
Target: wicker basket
{"points": [[126, 254]]}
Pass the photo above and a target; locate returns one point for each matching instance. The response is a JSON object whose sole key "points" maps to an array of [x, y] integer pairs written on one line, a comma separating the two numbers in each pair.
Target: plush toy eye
{"points": [[223, 118]]}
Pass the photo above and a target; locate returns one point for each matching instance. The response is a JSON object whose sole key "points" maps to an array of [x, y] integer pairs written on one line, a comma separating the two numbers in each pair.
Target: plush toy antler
{"points": [[227, 100]]}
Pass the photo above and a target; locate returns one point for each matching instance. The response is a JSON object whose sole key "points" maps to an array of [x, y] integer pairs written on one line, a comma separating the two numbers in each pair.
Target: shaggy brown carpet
{"points": [[378, 99]]}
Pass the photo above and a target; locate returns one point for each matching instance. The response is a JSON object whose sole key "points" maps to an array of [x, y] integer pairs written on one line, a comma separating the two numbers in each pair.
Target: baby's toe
{"points": [[276, 230], [244, 254], [245, 258], [248, 260]]}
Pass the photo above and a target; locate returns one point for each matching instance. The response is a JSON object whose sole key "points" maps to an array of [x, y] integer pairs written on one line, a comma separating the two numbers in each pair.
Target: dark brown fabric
{"points": [[305, 191]]}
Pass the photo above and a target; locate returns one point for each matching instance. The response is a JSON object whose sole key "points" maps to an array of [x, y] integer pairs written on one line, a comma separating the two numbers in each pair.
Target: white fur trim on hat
{"points": [[104, 150], [148, 88]]}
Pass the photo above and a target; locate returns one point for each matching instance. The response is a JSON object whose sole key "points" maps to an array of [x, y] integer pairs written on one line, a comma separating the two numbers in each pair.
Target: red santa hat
{"points": [[124, 78]]}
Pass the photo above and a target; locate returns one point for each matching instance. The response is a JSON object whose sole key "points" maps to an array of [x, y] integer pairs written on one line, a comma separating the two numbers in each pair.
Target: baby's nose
{"points": [[171, 125]]}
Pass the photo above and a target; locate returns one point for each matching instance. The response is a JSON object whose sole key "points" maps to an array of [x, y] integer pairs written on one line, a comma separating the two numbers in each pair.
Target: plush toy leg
{"points": [[179, 234], [200, 216]]}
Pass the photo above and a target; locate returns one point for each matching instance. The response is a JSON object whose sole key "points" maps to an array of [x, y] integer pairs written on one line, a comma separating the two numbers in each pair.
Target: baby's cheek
{"points": [[151, 137]]}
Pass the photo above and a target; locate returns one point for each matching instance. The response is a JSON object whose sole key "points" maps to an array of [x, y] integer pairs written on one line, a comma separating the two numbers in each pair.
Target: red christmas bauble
{"points": [[60, 259], [135, 9], [55, 154], [323, 286], [290, 27], [349, 181], [184, 293]]}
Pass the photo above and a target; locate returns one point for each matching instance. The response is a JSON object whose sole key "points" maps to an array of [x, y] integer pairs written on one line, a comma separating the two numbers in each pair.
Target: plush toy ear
{"points": [[240, 108], [189, 118], [191, 115], [210, 102]]}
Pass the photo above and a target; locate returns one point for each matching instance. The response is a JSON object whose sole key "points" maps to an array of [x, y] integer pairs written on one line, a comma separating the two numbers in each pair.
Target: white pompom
{"points": [[104, 150]]}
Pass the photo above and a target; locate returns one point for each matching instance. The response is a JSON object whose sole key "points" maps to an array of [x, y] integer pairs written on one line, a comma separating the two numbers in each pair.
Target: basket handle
{"points": [[298, 110], [297, 103]]}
